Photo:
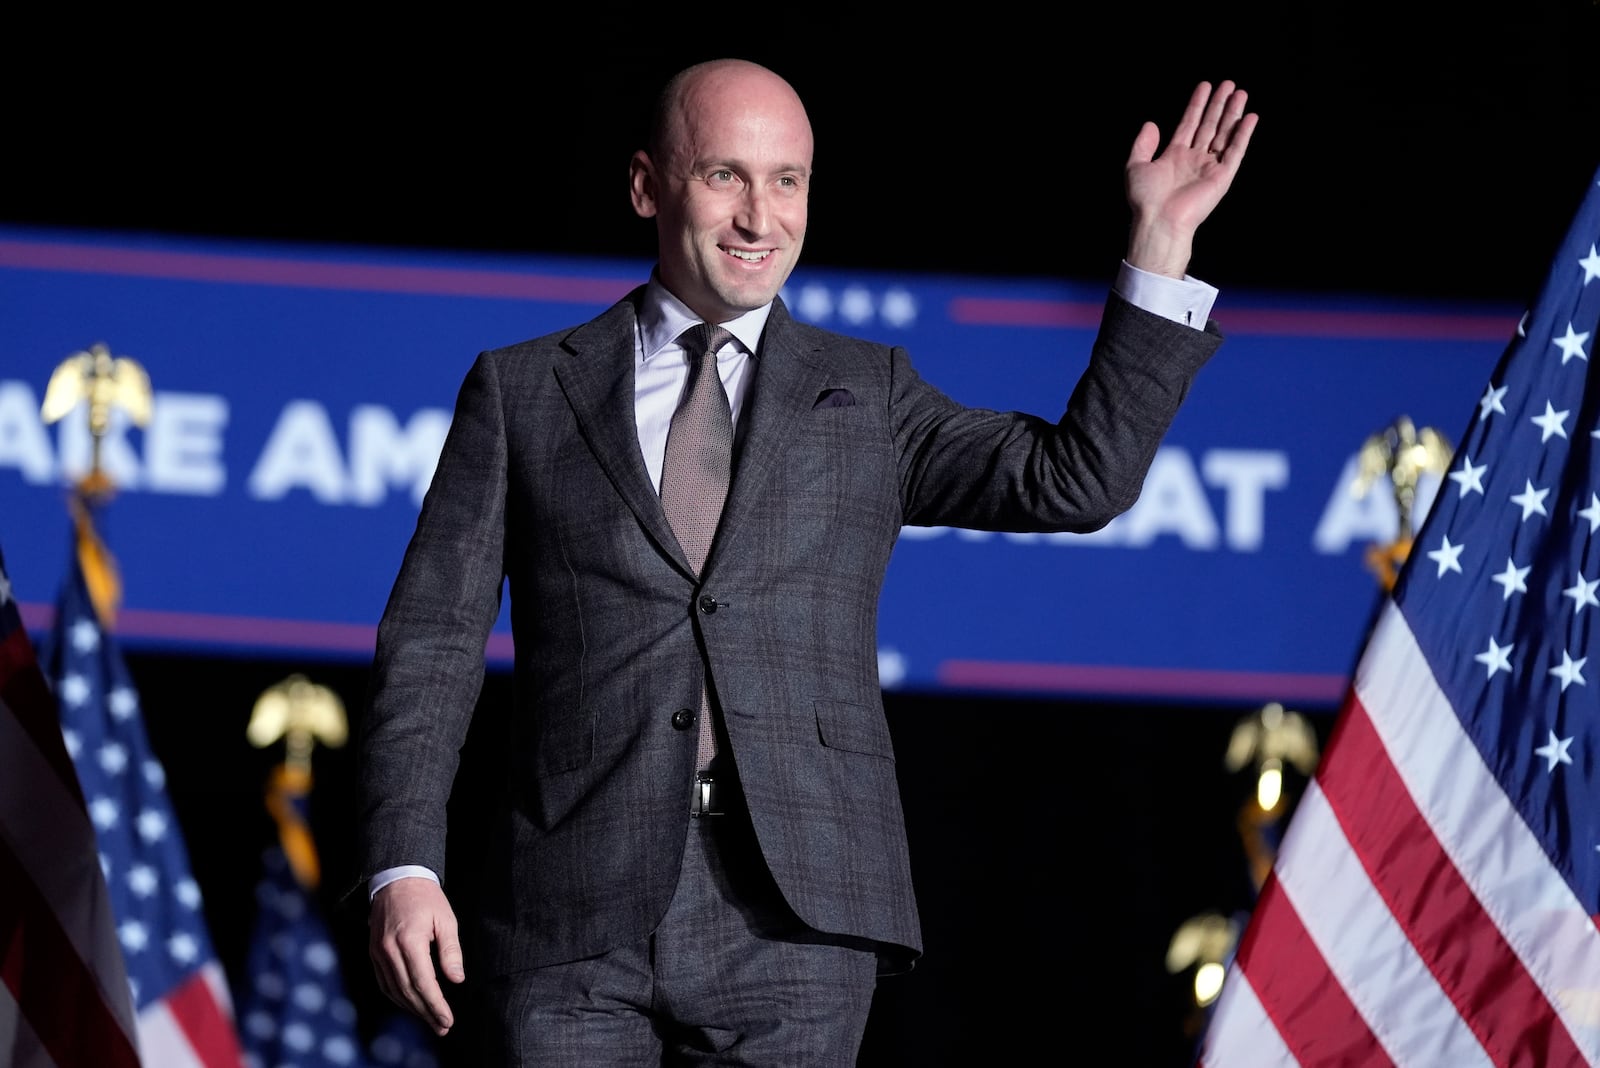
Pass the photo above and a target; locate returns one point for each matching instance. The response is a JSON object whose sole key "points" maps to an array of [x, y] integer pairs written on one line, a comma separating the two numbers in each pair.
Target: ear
{"points": [[642, 184]]}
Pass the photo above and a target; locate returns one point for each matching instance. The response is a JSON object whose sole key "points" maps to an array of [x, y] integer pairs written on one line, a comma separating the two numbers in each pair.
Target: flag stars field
{"points": [[1447, 556], [73, 691], [85, 636], [113, 758], [142, 880], [309, 996], [1582, 593], [1591, 513], [134, 936], [152, 826], [1496, 658], [1530, 500], [1550, 424], [1469, 478], [104, 814], [1513, 579], [1570, 671], [1555, 751], [122, 703], [183, 949], [1571, 344], [1590, 265]]}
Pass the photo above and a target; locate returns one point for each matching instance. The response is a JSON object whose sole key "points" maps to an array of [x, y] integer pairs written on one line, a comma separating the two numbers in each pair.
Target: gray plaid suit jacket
{"points": [[541, 487]]}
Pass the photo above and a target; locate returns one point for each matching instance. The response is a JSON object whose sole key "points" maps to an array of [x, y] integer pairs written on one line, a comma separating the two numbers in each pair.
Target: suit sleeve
{"points": [[988, 470], [429, 663]]}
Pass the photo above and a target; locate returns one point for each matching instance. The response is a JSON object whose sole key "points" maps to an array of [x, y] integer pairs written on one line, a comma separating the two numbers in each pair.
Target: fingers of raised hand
{"points": [[1223, 126]]}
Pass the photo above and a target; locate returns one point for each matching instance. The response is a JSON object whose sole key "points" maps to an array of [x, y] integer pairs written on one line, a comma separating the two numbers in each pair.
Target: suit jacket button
{"points": [[682, 719], [708, 604]]}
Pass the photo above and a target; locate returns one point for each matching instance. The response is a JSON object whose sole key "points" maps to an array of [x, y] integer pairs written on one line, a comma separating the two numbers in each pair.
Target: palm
{"points": [[1181, 186], [1172, 193]]}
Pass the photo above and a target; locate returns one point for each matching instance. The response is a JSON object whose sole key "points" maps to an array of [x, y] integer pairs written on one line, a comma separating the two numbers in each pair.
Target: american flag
{"points": [[180, 993], [293, 1009], [1435, 898], [64, 1002]]}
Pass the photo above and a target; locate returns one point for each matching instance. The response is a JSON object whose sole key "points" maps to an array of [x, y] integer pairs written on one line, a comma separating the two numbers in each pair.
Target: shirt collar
{"points": [[663, 317]]}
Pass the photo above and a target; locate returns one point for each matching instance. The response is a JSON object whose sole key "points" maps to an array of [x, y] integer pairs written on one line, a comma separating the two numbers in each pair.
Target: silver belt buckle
{"points": [[706, 800]]}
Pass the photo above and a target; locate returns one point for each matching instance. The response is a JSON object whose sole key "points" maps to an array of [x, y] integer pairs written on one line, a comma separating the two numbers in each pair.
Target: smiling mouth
{"points": [[747, 256]]}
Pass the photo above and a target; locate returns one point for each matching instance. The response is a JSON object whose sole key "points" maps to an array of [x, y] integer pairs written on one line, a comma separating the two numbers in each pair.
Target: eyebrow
{"points": [[718, 163]]}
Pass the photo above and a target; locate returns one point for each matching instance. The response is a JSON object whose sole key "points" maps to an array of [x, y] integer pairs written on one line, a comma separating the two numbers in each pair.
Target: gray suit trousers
{"points": [[730, 977]]}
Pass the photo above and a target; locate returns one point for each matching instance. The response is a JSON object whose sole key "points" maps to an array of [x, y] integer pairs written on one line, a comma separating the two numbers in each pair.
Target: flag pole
{"points": [[107, 384], [300, 713], [1402, 455]]}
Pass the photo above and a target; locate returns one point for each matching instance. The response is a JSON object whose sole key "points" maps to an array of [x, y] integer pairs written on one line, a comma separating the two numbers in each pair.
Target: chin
{"points": [[746, 298]]}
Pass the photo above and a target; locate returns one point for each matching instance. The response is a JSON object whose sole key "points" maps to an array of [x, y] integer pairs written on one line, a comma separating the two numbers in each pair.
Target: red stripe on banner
{"points": [[1431, 901], [25, 692], [1315, 1018], [204, 1022], [248, 631], [1177, 682], [1009, 311], [310, 274], [55, 990], [1085, 315]]}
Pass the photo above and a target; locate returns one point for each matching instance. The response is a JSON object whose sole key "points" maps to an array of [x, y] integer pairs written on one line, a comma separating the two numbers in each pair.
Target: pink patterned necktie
{"points": [[697, 467]]}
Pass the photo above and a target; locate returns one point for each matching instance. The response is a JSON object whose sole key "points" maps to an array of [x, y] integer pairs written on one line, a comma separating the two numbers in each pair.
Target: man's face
{"points": [[729, 196]]}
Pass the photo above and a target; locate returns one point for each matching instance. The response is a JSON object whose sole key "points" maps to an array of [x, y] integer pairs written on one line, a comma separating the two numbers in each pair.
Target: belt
{"points": [[712, 796]]}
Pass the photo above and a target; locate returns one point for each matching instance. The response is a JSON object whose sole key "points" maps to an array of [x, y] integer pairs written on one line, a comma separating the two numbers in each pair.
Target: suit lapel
{"points": [[597, 377], [785, 387]]}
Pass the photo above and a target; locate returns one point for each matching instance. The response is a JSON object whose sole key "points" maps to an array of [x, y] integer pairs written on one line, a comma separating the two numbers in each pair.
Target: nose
{"points": [[751, 218]]}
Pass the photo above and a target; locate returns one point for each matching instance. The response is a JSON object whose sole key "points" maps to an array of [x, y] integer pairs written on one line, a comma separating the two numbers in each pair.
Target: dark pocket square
{"points": [[834, 398]]}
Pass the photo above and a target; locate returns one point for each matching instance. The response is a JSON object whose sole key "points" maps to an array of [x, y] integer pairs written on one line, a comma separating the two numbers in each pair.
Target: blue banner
{"points": [[301, 393]]}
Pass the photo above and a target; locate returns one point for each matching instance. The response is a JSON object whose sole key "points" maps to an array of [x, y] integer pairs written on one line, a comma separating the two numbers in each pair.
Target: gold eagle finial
{"points": [[106, 382], [1404, 454], [300, 711]]}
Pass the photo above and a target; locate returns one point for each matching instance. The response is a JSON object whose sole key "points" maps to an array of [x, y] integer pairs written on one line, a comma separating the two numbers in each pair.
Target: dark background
{"points": [[1415, 149], [1423, 152]]}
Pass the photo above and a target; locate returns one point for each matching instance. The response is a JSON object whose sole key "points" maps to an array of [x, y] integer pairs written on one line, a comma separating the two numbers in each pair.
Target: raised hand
{"points": [[1171, 194]]}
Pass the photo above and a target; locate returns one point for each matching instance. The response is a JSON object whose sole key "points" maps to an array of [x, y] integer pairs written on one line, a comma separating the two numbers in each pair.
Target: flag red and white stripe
{"points": [[192, 1025], [1411, 917], [64, 1002]]}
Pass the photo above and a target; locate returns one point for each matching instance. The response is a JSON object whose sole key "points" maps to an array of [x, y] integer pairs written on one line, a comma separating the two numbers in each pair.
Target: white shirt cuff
{"points": [[1186, 300], [405, 871]]}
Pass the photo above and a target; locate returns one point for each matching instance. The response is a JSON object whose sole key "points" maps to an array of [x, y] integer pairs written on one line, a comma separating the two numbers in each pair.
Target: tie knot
{"points": [[703, 338]]}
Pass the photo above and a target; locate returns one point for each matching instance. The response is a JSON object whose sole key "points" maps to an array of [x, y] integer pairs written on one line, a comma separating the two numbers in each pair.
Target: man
{"points": [[701, 854]]}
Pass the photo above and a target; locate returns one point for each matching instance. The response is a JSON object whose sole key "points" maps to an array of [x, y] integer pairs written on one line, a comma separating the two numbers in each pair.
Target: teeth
{"points": [[748, 257]]}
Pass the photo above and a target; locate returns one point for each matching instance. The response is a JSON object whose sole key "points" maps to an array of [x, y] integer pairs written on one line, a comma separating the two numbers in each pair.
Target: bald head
{"points": [[693, 89]]}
